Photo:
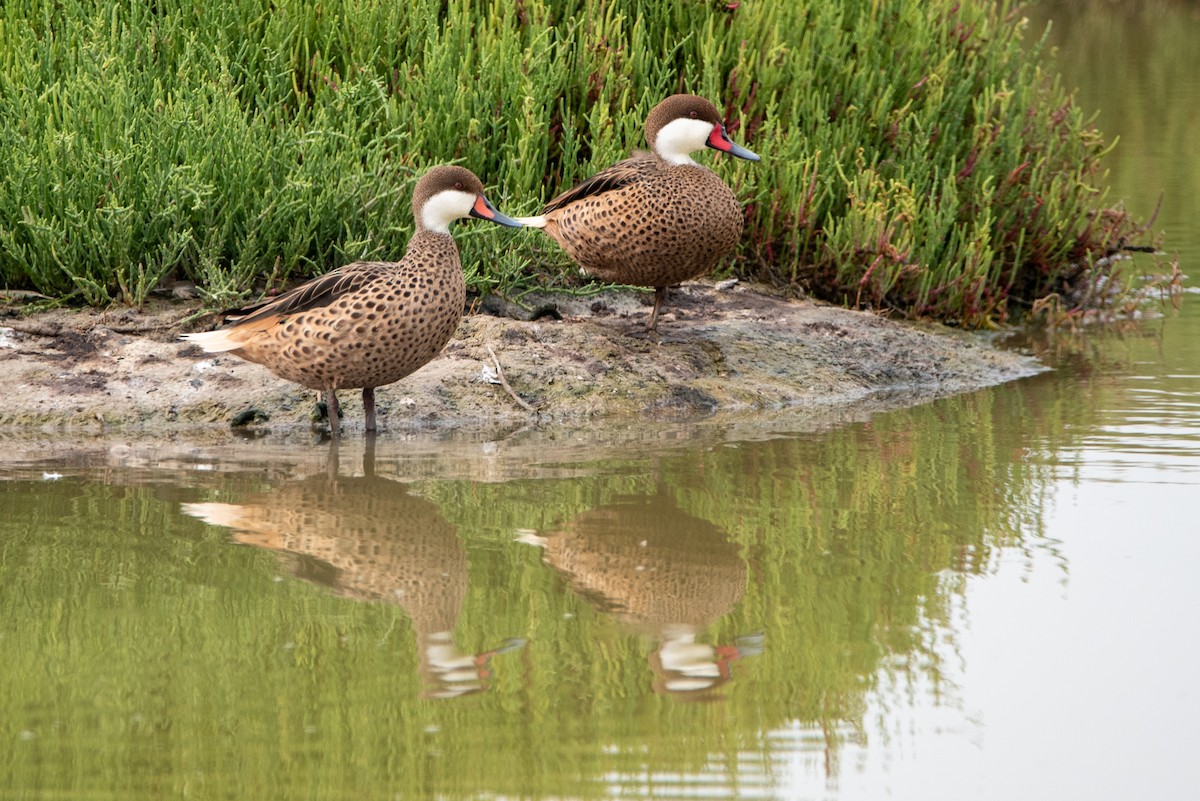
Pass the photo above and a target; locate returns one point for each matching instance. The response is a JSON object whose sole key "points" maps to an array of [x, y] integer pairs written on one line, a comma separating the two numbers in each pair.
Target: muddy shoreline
{"points": [[725, 349]]}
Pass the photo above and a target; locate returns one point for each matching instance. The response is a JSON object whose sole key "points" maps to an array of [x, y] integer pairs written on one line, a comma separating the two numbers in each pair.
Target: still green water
{"points": [[988, 596], [698, 607]]}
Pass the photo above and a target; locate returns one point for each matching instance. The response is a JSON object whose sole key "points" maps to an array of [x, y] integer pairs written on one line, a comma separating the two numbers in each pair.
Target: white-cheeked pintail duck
{"points": [[657, 218], [370, 323]]}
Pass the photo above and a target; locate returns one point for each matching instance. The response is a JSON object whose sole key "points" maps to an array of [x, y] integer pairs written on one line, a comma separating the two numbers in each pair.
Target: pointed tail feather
{"points": [[232, 338], [214, 341], [538, 221]]}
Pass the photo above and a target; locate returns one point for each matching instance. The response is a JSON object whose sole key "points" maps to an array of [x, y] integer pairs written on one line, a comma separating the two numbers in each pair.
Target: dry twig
{"points": [[504, 383]]}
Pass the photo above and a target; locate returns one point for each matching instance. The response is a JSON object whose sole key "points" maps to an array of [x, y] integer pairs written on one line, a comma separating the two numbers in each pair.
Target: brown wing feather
{"points": [[623, 173], [321, 291]]}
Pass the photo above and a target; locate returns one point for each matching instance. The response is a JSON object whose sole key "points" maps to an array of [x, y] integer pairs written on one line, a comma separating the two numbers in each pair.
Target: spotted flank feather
{"points": [[321, 291], [639, 166]]}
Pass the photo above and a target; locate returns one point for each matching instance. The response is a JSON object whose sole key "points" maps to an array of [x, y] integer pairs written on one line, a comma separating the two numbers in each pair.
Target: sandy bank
{"points": [[723, 349]]}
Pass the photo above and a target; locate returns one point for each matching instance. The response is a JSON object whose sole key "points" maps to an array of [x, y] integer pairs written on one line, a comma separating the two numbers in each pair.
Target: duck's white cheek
{"points": [[680, 137], [445, 207]]}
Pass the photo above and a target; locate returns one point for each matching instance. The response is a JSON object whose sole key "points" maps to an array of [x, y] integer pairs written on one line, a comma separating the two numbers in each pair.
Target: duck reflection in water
{"points": [[665, 574], [368, 539]]}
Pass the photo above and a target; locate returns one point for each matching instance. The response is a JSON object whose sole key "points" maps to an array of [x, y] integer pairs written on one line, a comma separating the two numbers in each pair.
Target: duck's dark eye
{"points": [[693, 114], [458, 185]]}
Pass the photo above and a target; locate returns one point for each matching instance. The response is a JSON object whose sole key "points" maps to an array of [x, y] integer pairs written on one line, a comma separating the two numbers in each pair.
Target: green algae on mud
{"points": [[722, 349]]}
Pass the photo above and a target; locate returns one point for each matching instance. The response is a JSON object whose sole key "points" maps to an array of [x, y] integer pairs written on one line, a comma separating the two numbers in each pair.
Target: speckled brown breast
{"points": [[672, 225], [398, 318]]}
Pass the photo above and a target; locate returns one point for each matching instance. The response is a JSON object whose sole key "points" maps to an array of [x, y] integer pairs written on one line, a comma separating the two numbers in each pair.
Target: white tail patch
{"points": [[532, 222], [216, 341], [215, 514]]}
